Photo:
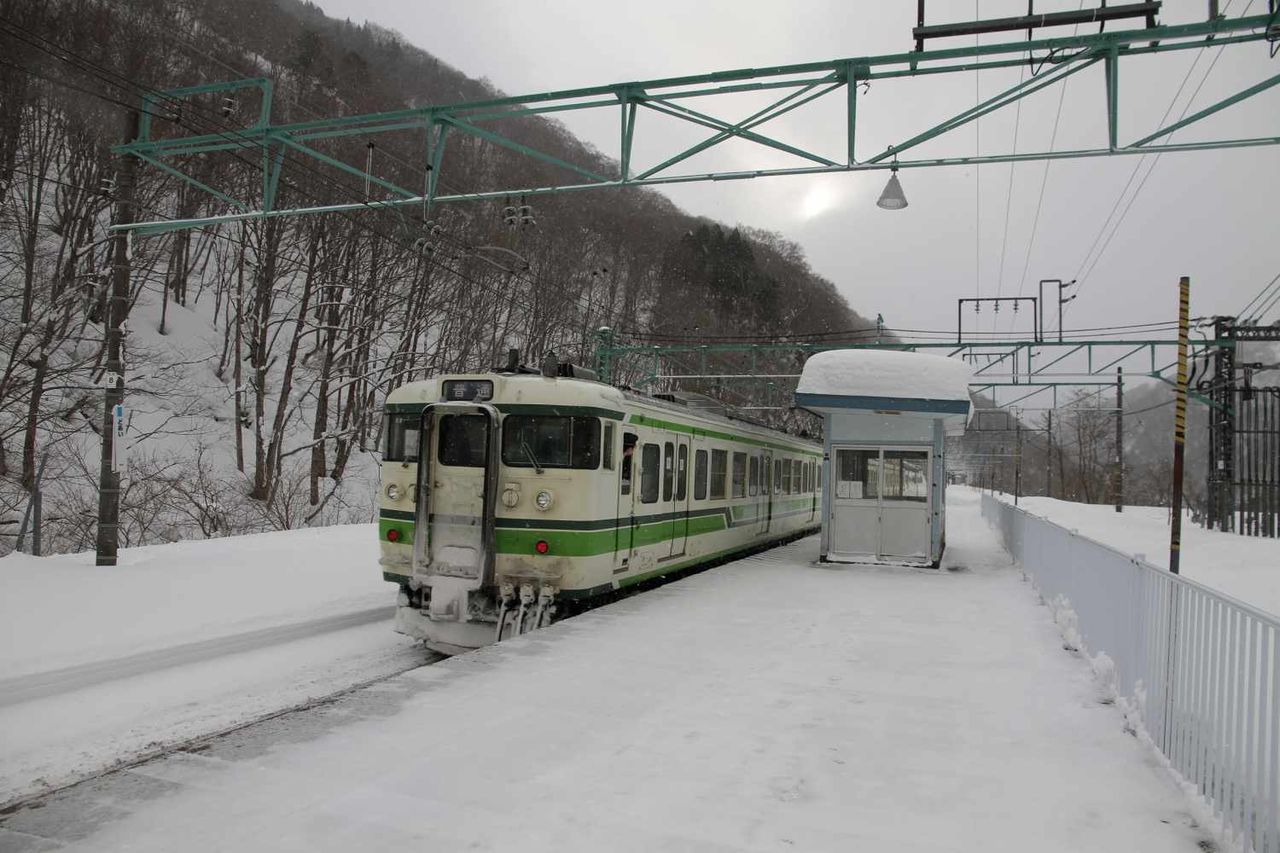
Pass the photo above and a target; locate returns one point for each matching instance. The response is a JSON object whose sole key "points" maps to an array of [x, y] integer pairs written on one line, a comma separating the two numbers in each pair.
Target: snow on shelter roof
{"points": [[885, 379]]}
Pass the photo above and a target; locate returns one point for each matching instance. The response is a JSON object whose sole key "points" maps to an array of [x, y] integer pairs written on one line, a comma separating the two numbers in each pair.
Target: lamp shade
{"points": [[892, 198]]}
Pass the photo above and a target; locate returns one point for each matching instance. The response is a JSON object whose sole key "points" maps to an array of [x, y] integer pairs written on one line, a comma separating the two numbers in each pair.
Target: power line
{"points": [[1082, 274]]}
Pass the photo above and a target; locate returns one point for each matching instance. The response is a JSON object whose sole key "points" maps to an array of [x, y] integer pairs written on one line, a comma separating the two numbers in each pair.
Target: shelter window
{"points": [[551, 441], [719, 468], [463, 439], [629, 440], [700, 475], [649, 462], [857, 474], [739, 475], [904, 475], [753, 478], [682, 472], [400, 434]]}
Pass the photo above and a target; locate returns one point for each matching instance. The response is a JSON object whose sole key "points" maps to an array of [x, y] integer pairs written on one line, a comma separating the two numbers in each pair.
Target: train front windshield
{"points": [[550, 441], [400, 438]]}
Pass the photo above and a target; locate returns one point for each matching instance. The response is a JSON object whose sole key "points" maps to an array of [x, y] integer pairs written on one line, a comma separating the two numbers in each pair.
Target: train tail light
{"points": [[542, 547], [393, 535]]}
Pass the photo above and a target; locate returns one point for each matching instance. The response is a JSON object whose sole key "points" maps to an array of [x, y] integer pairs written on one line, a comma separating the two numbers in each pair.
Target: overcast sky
{"points": [[1210, 215]]}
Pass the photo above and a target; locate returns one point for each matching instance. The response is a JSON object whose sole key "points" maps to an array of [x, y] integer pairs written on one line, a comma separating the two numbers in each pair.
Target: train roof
{"points": [[539, 390]]}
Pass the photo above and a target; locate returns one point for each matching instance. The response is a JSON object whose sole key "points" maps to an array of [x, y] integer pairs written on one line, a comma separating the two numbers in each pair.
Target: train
{"points": [[512, 498]]}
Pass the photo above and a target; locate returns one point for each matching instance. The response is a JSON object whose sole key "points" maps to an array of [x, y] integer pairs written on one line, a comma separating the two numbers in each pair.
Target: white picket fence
{"points": [[1201, 669]]}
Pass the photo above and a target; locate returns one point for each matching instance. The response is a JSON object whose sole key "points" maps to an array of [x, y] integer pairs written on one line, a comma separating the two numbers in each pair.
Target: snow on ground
{"points": [[61, 611], [769, 704], [99, 665], [1244, 567]]}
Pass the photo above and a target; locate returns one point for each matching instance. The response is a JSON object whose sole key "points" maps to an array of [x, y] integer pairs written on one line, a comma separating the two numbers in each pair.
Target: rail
{"points": [[1199, 669]]}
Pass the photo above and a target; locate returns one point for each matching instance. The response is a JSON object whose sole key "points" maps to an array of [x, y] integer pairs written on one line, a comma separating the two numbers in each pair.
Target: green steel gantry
{"points": [[1053, 61], [1022, 364]]}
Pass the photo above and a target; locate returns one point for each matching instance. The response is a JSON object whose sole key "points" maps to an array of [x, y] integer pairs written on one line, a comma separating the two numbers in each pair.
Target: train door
{"points": [[680, 497], [766, 492], [624, 531], [457, 473]]}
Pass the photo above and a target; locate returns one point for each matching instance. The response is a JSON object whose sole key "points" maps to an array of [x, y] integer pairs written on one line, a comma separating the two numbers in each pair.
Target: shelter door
{"points": [[854, 525], [905, 530]]}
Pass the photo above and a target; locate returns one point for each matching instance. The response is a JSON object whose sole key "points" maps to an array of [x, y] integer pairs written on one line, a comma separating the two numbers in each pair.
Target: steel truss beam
{"points": [[1022, 363], [795, 85]]}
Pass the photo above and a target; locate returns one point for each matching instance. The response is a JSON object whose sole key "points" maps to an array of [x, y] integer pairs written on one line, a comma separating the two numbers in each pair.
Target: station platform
{"points": [[773, 703]]}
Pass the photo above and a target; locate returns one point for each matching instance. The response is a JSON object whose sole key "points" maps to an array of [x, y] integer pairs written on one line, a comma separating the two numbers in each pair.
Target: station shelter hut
{"points": [[885, 416]]}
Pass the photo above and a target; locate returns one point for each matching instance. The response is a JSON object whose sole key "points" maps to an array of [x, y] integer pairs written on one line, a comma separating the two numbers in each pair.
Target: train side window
{"points": [[786, 476], [719, 468], [777, 476], [753, 479], [668, 469], [649, 463], [804, 478], [682, 472], [629, 440], [818, 471], [795, 477], [608, 447], [739, 475], [765, 479], [700, 475]]}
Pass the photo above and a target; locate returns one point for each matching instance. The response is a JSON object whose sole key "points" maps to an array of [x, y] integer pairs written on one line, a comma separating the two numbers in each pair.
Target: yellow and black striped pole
{"points": [[1179, 423]]}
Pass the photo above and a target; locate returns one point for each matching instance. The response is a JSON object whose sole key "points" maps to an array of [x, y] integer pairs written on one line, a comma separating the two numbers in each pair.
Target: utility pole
{"points": [[1048, 460], [1179, 425], [1119, 439], [117, 309], [1017, 461]]}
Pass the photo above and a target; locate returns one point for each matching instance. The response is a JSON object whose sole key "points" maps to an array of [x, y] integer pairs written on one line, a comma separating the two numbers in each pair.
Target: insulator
{"points": [[229, 106], [997, 306], [977, 306], [1015, 306], [509, 215], [107, 187]]}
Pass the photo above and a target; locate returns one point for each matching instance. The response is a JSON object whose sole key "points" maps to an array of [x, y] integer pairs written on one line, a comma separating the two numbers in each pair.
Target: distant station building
{"points": [[885, 414]]}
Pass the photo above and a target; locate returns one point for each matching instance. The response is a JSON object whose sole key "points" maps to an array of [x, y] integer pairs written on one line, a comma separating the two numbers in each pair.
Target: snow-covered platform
{"points": [[770, 704]]}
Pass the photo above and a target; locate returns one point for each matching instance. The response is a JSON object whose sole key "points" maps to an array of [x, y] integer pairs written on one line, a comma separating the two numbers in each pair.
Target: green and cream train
{"points": [[512, 497]]}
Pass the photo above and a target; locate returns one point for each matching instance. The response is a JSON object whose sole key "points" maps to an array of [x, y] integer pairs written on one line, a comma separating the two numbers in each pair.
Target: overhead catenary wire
{"points": [[1086, 265]]}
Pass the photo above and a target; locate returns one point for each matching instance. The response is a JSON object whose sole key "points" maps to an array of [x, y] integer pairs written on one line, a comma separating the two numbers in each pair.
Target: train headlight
{"points": [[510, 497], [393, 492], [543, 500]]}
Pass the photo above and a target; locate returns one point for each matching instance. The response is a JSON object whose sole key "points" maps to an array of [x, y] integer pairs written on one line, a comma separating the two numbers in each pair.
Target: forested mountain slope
{"points": [[258, 355]]}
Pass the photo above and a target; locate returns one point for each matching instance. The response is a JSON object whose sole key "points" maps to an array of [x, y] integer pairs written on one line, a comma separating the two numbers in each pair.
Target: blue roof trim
{"points": [[896, 404]]}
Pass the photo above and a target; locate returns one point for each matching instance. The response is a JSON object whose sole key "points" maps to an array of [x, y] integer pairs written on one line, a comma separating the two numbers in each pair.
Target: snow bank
{"points": [[885, 373], [63, 611]]}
